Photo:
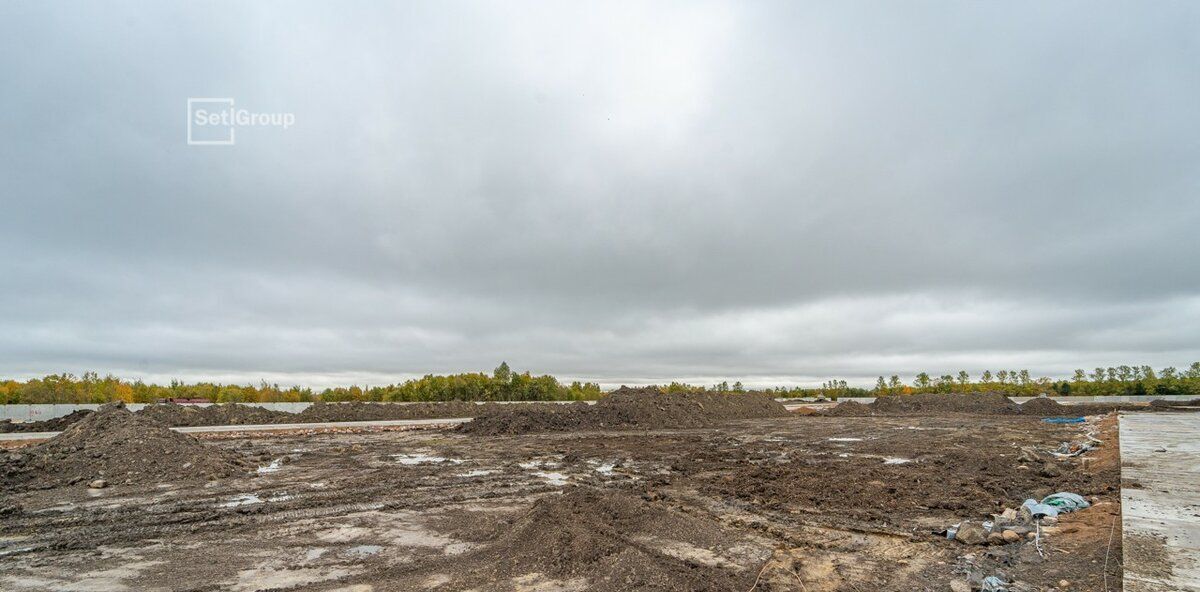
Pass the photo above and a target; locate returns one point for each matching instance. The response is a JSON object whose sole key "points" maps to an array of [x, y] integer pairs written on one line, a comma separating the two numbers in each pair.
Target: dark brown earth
{"points": [[793, 503], [360, 411], [116, 446], [626, 408], [173, 415]]}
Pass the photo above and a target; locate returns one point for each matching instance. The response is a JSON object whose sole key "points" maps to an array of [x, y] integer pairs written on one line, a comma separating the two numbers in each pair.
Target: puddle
{"points": [[244, 499], [419, 458], [476, 473], [606, 468], [895, 460], [271, 468], [537, 464], [362, 551], [844, 439], [553, 478]]}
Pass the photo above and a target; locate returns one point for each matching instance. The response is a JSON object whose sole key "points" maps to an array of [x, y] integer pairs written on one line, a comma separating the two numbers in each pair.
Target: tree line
{"points": [[502, 384], [1119, 380]]}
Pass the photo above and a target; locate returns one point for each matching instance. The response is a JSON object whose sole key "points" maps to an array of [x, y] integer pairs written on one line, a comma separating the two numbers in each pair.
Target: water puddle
{"points": [[420, 458], [271, 468], [362, 551], [553, 478], [476, 473]]}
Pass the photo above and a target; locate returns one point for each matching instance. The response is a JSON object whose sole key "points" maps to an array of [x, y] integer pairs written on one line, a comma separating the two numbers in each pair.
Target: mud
{"points": [[627, 408], [794, 503], [116, 446]]}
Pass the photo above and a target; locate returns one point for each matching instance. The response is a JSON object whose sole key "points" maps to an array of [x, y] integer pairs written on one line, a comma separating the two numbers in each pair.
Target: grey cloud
{"points": [[782, 192]]}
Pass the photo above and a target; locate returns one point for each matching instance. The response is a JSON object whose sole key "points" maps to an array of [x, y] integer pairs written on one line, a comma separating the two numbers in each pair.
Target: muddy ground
{"points": [[804, 503]]}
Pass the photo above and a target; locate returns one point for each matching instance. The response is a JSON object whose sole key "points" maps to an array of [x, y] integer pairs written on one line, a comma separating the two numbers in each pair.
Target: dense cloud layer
{"points": [[620, 192]]}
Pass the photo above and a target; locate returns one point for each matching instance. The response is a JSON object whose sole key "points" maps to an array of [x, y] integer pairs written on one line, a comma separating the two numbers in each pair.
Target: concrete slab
{"points": [[1160, 501]]}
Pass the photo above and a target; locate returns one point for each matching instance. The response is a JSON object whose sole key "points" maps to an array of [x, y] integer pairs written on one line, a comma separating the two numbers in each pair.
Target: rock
{"points": [[1050, 470], [98, 484], [1008, 515], [1010, 536], [959, 586], [1030, 535], [995, 538], [1063, 583], [971, 533], [1049, 520]]}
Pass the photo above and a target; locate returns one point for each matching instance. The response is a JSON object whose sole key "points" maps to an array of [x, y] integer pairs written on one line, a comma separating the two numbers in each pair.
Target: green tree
{"points": [[502, 373]]}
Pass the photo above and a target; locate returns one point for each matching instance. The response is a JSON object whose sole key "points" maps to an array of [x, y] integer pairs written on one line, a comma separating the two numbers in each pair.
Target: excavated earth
{"points": [[797, 503], [626, 408], [984, 404], [116, 446]]}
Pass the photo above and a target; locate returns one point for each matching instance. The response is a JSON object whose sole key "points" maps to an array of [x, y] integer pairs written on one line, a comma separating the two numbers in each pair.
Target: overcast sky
{"points": [[625, 192]]}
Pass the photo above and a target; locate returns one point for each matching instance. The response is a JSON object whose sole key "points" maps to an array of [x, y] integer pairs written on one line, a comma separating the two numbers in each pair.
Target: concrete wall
{"points": [[50, 411]]}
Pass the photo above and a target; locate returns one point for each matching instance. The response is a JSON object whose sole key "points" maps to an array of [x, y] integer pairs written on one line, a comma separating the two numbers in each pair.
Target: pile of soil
{"points": [[362, 411], [930, 404], [118, 447], [1042, 406], [173, 415], [627, 408], [1165, 404], [56, 424], [848, 409], [609, 541]]}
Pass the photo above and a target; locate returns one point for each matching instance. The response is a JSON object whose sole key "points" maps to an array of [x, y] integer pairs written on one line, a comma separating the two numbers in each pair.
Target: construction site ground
{"points": [[804, 503]]}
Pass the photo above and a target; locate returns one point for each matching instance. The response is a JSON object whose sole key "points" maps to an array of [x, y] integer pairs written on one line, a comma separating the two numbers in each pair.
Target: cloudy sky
{"points": [[625, 192]]}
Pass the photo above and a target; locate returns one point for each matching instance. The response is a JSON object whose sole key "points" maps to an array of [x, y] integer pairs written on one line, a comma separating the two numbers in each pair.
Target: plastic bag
{"points": [[1065, 501]]}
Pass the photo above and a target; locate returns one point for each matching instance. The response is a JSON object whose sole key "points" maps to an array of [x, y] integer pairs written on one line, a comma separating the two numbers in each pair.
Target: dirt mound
{"points": [[1043, 406], [930, 404], [849, 409], [627, 408], [119, 447], [173, 415], [612, 541], [56, 424], [1165, 404], [362, 411]]}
